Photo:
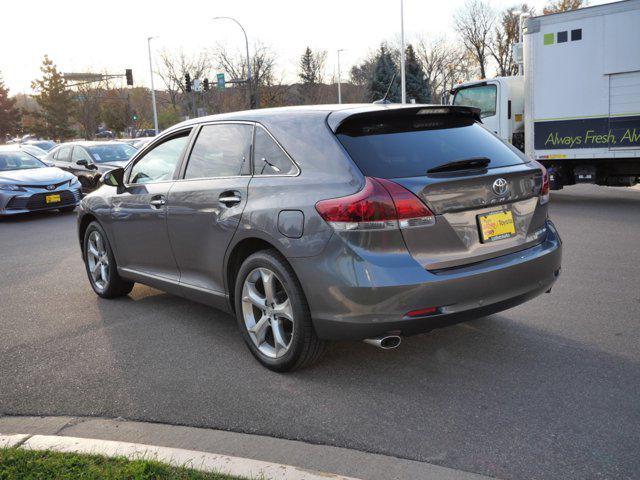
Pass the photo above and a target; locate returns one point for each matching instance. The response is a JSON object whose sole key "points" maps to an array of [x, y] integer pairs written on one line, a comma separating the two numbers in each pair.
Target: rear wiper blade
{"points": [[466, 164]]}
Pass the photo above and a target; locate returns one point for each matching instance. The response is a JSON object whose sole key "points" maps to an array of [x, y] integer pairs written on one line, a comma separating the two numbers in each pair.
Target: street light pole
{"points": [[246, 42], [153, 90], [403, 80], [339, 91]]}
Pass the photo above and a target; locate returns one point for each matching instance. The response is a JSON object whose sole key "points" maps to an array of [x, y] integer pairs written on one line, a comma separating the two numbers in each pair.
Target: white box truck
{"points": [[576, 110]]}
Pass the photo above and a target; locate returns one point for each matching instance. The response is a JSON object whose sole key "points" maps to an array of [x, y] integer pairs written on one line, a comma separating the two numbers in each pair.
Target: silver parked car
{"points": [[364, 222], [27, 184]]}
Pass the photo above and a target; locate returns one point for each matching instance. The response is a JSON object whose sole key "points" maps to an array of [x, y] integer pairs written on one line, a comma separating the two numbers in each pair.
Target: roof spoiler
{"points": [[337, 118]]}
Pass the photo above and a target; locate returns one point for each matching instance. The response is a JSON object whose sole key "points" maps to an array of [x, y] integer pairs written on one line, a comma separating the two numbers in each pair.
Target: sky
{"points": [[113, 35]]}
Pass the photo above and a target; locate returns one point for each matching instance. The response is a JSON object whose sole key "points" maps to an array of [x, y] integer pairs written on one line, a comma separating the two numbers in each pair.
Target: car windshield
{"points": [[18, 161], [411, 146], [45, 144], [117, 152], [481, 96]]}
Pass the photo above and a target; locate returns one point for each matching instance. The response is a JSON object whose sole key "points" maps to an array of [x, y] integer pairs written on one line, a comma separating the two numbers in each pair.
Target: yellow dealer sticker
{"points": [[496, 226]]}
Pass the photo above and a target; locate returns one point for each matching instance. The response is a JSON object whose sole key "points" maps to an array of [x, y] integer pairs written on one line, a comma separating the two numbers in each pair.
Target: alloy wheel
{"points": [[267, 312], [98, 260]]}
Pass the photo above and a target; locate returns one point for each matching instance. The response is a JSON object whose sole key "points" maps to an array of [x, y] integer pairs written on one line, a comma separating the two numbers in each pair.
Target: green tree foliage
{"points": [[167, 117], [416, 80], [383, 72], [56, 102], [115, 114], [9, 113]]}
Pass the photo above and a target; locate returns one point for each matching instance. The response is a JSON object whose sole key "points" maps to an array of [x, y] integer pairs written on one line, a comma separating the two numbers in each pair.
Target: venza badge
{"points": [[500, 187]]}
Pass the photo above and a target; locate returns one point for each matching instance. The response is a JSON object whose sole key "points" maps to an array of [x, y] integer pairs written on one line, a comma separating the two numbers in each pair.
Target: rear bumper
{"points": [[352, 299]]}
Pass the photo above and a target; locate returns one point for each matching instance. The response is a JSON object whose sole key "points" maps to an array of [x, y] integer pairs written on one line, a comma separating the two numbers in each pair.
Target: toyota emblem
{"points": [[51, 187], [500, 187]]}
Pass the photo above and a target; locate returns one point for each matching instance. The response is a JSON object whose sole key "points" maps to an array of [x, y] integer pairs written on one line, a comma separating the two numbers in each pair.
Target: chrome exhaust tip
{"points": [[384, 342]]}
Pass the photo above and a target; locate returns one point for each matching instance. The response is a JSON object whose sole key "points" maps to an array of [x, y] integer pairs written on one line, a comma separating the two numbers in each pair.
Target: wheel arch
{"points": [[237, 255], [83, 224]]}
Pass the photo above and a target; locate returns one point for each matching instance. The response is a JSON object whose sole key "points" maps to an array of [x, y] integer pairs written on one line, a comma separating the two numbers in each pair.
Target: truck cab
{"points": [[501, 104]]}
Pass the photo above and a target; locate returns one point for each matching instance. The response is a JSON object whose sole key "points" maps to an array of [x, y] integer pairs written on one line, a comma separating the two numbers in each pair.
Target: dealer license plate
{"points": [[496, 226]]}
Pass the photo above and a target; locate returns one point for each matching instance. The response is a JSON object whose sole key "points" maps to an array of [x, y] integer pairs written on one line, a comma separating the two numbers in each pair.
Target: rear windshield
{"points": [[409, 146]]}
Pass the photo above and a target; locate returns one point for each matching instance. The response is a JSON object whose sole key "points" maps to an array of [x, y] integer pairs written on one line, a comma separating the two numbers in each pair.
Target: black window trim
{"points": [[139, 155]]}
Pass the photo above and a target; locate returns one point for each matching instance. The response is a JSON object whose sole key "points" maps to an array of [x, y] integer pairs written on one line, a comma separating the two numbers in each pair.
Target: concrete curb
{"points": [[301, 457], [207, 462]]}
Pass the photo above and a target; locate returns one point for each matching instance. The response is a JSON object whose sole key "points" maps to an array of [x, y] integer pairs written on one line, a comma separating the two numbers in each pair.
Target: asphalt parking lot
{"points": [[550, 389]]}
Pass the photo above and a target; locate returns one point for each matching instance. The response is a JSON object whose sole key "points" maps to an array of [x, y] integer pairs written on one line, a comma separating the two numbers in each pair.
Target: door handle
{"points": [[230, 199], [157, 202]]}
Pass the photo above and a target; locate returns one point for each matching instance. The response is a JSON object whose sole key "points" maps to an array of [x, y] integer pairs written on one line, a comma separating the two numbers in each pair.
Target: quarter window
{"points": [[159, 163], [269, 158], [482, 97], [221, 150]]}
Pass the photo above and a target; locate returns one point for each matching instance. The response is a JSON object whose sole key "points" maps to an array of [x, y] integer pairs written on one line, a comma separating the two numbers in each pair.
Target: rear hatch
{"points": [[484, 194]]}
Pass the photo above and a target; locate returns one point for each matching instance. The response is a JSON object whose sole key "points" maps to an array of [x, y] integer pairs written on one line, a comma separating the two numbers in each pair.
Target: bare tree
{"points": [[87, 108], [173, 67], [474, 23], [263, 63], [562, 6], [506, 33], [444, 63]]}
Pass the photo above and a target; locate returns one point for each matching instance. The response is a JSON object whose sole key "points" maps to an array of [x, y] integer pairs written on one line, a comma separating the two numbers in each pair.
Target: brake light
{"points": [[544, 191], [380, 205]]}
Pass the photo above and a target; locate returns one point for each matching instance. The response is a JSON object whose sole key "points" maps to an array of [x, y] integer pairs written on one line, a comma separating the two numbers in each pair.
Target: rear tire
{"points": [[275, 320], [101, 266]]}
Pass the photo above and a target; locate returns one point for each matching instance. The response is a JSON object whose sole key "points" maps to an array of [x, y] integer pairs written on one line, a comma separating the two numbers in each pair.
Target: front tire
{"points": [[273, 314], [101, 266]]}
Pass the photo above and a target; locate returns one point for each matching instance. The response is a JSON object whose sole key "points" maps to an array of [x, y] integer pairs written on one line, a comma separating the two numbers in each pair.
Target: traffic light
{"points": [[205, 84], [135, 116], [187, 82], [129, 74]]}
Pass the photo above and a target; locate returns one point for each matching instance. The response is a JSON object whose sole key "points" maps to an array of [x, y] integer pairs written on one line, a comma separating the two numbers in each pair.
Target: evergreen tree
{"points": [[383, 72], [55, 101], [9, 113], [416, 80], [311, 74], [308, 73]]}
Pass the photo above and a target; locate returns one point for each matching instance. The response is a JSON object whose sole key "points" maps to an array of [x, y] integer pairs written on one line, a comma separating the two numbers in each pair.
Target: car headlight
{"points": [[11, 188], [74, 181]]}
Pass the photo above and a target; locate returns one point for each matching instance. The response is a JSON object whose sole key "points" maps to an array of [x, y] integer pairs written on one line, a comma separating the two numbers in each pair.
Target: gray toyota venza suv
{"points": [[362, 222]]}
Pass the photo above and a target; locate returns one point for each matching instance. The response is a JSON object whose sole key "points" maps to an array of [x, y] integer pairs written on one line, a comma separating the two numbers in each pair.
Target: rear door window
{"points": [[397, 147], [63, 154], [221, 150]]}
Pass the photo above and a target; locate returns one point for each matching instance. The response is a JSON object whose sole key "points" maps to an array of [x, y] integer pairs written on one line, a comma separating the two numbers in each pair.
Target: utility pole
{"points": [[246, 43], [153, 90], [339, 81], [403, 80]]}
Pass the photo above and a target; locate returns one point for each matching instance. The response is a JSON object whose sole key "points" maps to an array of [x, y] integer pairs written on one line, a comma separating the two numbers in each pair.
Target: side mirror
{"points": [[82, 162], [114, 178]]}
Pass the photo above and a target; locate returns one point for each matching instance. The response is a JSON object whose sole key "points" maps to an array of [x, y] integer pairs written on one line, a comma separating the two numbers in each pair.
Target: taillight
{"points": [[544, 191], [380, 205]]}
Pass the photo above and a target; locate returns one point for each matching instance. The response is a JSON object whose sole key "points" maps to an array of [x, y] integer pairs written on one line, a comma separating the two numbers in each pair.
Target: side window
{"points": [[159, 163], [483, 97], [221, 150], [64, 154], [269, 159], [80, 153]]}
